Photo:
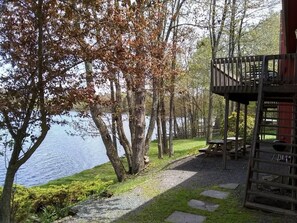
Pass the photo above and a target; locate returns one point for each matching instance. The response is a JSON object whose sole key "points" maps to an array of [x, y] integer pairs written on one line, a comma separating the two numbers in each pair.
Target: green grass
{"points": [[41, 201], [230, 210], [176, 199], [105, 172]]}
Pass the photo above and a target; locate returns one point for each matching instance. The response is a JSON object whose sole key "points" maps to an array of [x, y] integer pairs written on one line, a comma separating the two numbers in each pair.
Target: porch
{"points": [[240, 77], [271, 81]]}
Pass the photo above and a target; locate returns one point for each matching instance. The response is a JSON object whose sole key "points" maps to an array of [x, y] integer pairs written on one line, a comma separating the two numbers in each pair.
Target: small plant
{"points": [[232, 126], [52, 202]]}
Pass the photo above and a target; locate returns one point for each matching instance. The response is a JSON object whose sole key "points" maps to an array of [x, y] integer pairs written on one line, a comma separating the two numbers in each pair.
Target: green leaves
{"points": [[50, 203]]}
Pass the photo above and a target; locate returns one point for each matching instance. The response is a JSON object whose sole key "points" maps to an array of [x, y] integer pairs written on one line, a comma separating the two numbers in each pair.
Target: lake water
{"points": [[59, 155]]}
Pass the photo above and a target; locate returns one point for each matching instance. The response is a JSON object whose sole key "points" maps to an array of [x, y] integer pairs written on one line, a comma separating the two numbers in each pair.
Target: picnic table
{"points": [[236, 146], [215, 147]]}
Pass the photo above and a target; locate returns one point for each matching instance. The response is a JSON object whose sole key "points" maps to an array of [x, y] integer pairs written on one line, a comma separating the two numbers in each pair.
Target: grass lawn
{"points": [[51, 201], [176, 199], [230, 210], [104, 172]]}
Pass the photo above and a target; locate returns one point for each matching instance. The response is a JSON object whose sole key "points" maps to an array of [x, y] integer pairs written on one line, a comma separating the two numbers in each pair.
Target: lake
{"points": [[60, 155]]}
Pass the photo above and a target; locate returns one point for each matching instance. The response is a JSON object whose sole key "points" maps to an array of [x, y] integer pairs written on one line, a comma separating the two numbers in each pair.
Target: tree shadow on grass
{"points": [[176, 186], [189, 177]]}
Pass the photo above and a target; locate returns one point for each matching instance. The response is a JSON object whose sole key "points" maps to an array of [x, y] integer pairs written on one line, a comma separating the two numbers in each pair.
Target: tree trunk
{"points": [[124, 141], [131, 107], [163, 119], [139, 140], [120, 127], [19, 137], [5, 201], [185, 119], [215, 34], [152, 118], [240, 28], [113, 120], [194, 121], [177, 130], [171, 151], [111, 151], [232, 30], [159, 132]]}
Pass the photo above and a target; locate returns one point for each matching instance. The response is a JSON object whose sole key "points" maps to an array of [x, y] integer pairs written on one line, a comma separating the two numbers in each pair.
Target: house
{"points": [[271, 81]]}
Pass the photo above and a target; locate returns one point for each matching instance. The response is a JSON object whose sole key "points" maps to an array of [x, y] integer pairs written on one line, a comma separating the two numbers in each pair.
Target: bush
{"points": [[52, 202], [232, 126]]}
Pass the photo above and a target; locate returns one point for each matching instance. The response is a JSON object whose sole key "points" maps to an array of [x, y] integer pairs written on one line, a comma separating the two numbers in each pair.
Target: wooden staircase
{"points": [[272, 172]]}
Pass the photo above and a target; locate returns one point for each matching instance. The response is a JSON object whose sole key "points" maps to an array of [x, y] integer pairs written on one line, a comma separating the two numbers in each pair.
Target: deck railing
{"points": [[242, 74]]}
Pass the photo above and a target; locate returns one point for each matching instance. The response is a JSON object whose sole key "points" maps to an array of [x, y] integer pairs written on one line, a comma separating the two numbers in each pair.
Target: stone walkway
{"points": [[109, 209], [191, 172], [183, 217]]}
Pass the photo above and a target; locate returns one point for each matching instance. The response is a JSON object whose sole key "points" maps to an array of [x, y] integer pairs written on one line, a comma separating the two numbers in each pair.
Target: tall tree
{"points": [[34, 86], [122, 48]]}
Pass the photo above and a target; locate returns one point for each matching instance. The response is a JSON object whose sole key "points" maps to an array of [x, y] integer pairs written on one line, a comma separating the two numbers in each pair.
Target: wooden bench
{"points": [[203, 150], [240, 151]]}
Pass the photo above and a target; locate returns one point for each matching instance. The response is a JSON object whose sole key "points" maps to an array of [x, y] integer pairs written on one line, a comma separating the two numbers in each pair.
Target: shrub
{"points": [[232, 126], [53, 200]]}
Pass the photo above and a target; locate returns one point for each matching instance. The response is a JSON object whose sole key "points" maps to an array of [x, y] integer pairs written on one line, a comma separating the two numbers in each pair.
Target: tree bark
{"points": [[37, 94], [177, 132], [139, 139], [215, 37], [120, 127], [111, 151], [131, 106], [153, 117], [5, 201], [171, 106], [113, 115], [163, 118], [185, 119], [159, 132]]}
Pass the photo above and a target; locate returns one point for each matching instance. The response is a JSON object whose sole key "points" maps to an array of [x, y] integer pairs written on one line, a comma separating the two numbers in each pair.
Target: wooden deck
{"points": [[240, 76]]}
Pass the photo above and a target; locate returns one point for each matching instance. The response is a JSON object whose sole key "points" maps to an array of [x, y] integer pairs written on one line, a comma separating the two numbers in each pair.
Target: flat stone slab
{"points": [[182, 217], [215, 194], [231, 186], [202, 205]]}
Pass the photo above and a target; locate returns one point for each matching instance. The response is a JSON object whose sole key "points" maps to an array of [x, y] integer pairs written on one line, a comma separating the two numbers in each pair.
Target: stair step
{"points": [[285, 112], [280, 98], [273, 105], [270, 143], [275, 134], [269, 208], [277, 118], [275, 162], [277, 153], [277, 126], [283, 199], [274, 184], [293, 176], [273, 196]]}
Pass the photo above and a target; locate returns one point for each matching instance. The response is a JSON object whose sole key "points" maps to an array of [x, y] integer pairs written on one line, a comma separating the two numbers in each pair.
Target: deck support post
{"points": [[245, 129], [237, 128], [225, 131]]}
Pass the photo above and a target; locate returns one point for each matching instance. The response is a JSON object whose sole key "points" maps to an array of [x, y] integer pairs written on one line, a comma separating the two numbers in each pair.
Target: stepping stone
{"points": [[202, 205], [215, 194], [231, 186], [182, 217]]}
